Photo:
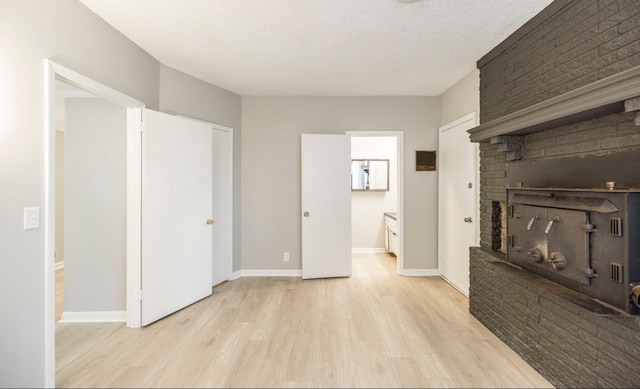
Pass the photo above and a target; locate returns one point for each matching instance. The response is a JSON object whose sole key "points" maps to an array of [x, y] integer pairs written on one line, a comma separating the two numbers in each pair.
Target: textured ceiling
{"points": [[320, 47]]}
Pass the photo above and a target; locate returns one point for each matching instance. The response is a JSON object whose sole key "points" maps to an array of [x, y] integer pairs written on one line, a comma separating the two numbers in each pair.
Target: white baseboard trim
{"points": [[421, 272], [93, 317], [298, 273], [465, 294], [266, 273], [59, 265], [366, 250]]}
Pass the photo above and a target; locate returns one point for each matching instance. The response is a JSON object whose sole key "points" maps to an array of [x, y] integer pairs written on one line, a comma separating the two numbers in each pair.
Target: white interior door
{"points": [[326, 206], [457, 206], [176, 206], [222, 204], [222, 227]]}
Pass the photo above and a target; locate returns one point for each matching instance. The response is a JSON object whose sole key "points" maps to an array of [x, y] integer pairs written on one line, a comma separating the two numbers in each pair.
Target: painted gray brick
{"points": [[579, 28], [585, 41], [621, 141], [565, 363], [621, 344], [617, 374], [575, 149], [570, 316]]}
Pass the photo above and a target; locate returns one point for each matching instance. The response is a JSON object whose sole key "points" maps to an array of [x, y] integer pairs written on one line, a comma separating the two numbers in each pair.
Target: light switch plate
{"points": [[31, 218]]}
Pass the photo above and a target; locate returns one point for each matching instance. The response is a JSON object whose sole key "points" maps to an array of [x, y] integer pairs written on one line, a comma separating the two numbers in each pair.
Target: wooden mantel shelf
{"points": [[599, 98]]}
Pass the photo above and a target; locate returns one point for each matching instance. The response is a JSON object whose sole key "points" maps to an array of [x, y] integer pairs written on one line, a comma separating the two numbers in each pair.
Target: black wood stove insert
{"points": [[585, 234]]}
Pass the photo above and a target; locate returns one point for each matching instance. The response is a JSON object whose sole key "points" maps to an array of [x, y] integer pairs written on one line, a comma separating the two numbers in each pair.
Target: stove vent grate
{"points": [[616, 226], [616, 272]]}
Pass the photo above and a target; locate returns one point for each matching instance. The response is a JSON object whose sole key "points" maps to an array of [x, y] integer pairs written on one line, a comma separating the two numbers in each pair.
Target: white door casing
{"points": [[54, 71], [458, 201], [326, 205], [176, 213], [399, 135]]}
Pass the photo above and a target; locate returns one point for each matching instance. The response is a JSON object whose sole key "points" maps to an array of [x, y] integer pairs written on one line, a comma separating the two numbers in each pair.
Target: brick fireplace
{"points": [[565, 85]]}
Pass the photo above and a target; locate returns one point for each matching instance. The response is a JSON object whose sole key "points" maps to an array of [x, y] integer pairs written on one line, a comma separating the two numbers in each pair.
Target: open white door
{"points": [[326, 206], [457, 208], [176, 213]]}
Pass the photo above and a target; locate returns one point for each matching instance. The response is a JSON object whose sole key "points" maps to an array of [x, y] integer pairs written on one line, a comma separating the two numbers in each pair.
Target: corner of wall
{"points": [[461, 98]]}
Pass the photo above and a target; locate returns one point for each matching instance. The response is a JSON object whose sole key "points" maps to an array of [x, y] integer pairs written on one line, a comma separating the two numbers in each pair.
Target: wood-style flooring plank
{"points": [[373, 329]]}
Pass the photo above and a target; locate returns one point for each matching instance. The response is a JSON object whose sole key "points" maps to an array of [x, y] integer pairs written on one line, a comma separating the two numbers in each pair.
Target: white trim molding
{"points": [[366, 250], [266, 273], [94, 317], [454, 286], [421, 273]]}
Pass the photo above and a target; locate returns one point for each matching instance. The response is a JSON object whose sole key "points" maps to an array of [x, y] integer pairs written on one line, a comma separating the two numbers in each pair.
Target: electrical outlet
{"points": [[285, 257]]}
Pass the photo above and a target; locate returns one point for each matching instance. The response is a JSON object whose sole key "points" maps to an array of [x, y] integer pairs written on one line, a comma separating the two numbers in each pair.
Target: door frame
{"points": [[472, 117], [399, 135], [52, 72]]}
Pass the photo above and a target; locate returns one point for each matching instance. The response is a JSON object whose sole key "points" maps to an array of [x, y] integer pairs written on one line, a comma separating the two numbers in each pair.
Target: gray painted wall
{"points": [[461, 99], [95, 206], [78, 39], [271, 170]]}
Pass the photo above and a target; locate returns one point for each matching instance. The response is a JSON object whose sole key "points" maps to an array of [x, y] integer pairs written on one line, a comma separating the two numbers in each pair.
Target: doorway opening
{"points": [[374, 210], [90, 206], [54, 72]]}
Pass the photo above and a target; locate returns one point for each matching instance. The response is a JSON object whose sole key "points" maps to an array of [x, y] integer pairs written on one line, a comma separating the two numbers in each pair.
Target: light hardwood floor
{"points": [[374, 329]]}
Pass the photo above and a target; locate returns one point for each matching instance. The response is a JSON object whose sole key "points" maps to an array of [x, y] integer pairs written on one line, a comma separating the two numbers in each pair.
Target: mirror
{"points": [[370, 174]]}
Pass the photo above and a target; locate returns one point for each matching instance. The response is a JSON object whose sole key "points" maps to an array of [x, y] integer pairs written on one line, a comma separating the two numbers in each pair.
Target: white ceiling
{"points": [[320, 47]]}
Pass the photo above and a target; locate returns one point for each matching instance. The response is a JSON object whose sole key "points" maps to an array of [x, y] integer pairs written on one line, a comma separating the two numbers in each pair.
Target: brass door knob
{"points": [[306, 214], [209, 221]]}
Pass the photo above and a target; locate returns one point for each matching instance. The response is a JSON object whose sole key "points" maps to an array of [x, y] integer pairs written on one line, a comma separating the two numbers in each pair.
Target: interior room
{"points": [[389, 193]]}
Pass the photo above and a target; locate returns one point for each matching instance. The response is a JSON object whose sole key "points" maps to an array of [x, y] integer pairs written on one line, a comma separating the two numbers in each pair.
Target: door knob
{"points": [[467, 220], [209, 221], [306, 214]]}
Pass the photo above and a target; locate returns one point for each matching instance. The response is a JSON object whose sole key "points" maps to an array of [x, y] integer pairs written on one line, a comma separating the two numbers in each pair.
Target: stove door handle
{"points": [[550, 224]]}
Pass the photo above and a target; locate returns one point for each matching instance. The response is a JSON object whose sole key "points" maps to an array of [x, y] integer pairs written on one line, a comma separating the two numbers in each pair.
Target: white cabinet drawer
{"points": [[390, 234], [390, 222]]}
